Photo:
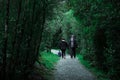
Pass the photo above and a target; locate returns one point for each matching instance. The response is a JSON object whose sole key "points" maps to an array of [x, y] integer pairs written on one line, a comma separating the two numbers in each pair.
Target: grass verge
{"points": [[48, 60], [100, 74]]}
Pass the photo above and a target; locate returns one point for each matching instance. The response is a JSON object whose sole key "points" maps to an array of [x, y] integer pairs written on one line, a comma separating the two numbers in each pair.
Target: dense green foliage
{"points": [[96, 26], [100, 33], [101, 75], [48, 60], [27, 26], [60, 26], [53, 28], [21, 26]]}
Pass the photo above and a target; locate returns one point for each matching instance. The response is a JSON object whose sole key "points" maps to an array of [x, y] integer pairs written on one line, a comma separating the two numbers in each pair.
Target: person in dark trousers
{"points": [[73, 46], [63, 46]]}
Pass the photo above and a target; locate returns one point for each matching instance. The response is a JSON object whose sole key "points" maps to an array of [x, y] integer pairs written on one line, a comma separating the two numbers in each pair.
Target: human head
{"points": [[62, 39], [72, 36]]}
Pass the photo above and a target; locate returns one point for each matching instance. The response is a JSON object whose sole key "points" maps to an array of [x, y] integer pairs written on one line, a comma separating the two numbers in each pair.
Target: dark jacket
{"points": [[74, 44], [63, 45]]}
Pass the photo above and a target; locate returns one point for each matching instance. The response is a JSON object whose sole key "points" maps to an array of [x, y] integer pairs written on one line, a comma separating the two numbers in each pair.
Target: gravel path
{"points": [[72, 69]]}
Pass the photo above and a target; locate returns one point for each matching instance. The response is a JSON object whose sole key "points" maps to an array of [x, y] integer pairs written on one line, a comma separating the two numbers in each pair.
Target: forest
{"points": [[28, 27]]}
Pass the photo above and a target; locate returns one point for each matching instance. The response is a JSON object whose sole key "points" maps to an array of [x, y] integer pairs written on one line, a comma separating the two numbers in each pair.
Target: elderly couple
{"points": [[72, 46]]}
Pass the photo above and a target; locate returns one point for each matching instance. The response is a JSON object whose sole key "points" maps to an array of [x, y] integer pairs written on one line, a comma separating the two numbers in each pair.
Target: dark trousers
{"points": [[73, 52], [63, 52]]}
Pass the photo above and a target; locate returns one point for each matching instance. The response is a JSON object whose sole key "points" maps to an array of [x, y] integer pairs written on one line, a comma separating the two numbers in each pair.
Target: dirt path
{"points": [[72, 69]]}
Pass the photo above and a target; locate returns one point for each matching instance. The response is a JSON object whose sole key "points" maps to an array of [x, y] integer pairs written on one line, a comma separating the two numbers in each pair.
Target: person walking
{"points": [[73, 46], [63, 46]]}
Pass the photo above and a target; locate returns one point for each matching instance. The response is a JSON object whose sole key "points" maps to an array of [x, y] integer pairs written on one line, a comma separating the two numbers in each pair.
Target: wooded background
{"points": [[30, 26]]}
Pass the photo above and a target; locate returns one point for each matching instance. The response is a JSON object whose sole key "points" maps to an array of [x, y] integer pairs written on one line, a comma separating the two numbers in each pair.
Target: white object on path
{"points": [[54, 51]]}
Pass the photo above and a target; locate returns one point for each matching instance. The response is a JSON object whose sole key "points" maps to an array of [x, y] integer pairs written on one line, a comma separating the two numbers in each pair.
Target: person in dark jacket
{"points": [[63, 46], [73, 46]]}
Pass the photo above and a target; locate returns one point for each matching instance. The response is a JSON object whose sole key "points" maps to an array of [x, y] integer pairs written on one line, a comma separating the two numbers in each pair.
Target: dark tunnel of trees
{"points": [[28, 26]]}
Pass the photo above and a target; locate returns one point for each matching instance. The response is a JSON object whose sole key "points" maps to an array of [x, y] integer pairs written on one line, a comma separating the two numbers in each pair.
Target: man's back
{"points": [[73, 43], [63, 44]]}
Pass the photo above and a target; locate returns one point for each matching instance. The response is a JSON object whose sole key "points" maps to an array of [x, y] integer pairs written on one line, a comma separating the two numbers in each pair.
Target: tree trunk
{"points": [[15, 44], [4, 50]]}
